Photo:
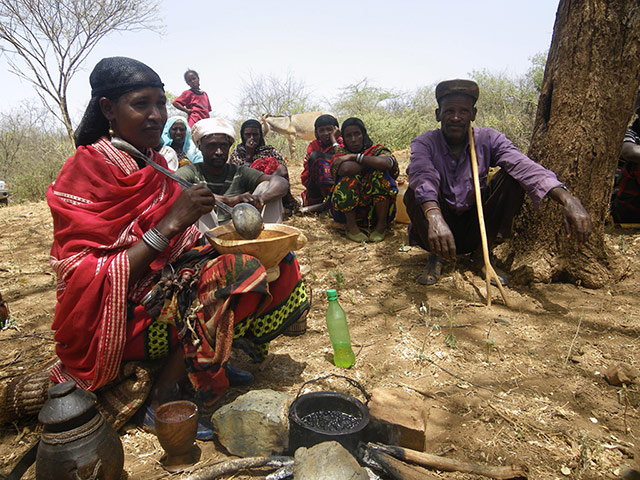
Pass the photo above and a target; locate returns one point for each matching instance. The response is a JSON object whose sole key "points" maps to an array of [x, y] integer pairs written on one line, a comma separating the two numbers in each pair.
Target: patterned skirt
{"points": [[361, 192], [222, 302]]}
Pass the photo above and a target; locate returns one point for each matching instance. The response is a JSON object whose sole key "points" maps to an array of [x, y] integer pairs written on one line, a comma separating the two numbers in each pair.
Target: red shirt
{"points": [[197, 102]]}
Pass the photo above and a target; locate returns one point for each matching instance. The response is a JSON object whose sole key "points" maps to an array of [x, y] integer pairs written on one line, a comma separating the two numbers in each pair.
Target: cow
{"points": [[299, 125]]}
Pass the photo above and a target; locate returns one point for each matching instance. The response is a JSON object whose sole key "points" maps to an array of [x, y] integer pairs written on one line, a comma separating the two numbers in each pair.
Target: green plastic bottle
{"points": [[343, 355]]}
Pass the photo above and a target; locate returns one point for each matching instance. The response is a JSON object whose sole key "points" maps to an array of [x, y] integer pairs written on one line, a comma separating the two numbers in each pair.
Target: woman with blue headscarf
{"points": [[177, 146]]}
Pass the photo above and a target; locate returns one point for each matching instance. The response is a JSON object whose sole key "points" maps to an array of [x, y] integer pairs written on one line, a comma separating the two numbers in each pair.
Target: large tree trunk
{"points": [[590, 83]]}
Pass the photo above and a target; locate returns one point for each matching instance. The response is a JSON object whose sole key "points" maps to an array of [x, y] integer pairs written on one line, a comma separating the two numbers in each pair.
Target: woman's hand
{"points": [[338, 161], [186, 210], [251, 144], [335, 134]]}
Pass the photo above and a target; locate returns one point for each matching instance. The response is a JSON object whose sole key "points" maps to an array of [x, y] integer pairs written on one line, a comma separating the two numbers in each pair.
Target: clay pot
{"points": [[76, 442], [271, 246], [176, 424]]}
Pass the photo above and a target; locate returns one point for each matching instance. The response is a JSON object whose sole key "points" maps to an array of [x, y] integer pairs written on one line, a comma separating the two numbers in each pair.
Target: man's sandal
{"points": [[503, 276], [477, 265], [432, 273]]}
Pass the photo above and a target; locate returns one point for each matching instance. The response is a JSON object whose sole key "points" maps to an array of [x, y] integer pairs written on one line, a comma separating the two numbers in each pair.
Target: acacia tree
{"points": [[275, 95], [46, 41], [590, 83]]}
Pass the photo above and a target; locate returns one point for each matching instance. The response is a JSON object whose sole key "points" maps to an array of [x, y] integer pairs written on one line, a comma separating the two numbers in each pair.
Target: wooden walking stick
{"points": [[489, 272]]}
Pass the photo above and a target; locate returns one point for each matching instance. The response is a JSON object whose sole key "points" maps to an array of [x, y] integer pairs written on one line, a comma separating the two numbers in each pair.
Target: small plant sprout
{"points": [[339, 278], [489, 342], [450, 340]]}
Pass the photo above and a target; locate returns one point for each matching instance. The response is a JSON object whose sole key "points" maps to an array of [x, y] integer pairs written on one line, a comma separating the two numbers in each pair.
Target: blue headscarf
{"points": [[189, 147]]}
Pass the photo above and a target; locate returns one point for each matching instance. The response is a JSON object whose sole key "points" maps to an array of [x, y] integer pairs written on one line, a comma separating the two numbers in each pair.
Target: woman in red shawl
{"points": [[117, 224], [316, 169]]}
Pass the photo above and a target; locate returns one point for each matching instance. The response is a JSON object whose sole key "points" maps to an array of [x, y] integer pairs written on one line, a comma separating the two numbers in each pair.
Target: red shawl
{"points": [[101, 205], [314, 146]]}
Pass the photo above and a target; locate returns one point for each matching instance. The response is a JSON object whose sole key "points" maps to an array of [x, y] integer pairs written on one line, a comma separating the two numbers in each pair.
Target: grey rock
{"points": [[255, 424], [327, 461]]}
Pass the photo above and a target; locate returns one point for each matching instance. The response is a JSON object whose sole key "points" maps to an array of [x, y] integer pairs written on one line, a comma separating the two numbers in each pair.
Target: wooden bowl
{"points": [[271, 246]]}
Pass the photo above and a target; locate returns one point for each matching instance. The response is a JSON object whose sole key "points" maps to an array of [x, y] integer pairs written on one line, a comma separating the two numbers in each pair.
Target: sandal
{"points": [[432, 273], [376, 237], [237, 377], [357, 237], [477, 265], [503, 276]]}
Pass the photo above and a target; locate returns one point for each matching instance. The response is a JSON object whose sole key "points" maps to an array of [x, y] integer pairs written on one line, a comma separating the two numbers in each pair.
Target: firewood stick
{"points": [[450, 464], [209, 472], [400, 470], [489, 272]]}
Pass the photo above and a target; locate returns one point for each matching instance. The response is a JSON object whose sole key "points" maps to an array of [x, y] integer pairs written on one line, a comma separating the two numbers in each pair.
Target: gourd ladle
{"points": [[246, 218]]}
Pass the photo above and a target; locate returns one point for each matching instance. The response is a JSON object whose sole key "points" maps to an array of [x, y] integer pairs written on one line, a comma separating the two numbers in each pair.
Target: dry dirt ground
{"points": [[502, 385]]}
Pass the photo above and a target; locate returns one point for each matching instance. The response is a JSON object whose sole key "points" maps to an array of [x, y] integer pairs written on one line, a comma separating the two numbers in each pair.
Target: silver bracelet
{"points": [[154, 239], [335, 145], [359, 158]]}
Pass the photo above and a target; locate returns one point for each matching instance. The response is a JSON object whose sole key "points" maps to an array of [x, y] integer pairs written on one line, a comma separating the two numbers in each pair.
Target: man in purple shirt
{"points": [[441, 199]]}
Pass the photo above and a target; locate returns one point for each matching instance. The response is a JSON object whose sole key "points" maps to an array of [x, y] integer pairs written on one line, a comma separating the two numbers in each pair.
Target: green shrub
{"points": [[31, 153]]}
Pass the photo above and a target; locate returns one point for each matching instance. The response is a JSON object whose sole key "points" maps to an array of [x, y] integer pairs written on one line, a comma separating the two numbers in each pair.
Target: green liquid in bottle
{"points": [[343, 355]]}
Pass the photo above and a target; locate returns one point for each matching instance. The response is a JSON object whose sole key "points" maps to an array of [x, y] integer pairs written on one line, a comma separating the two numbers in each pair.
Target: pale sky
{"points": [[395, 44]]}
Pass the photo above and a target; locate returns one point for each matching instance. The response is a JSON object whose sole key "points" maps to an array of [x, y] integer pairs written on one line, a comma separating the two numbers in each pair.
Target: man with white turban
{"points": [[231, 184]]}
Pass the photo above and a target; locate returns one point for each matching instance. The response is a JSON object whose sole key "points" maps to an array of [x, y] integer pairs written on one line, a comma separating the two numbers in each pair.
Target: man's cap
{"points": [[464, 87]]}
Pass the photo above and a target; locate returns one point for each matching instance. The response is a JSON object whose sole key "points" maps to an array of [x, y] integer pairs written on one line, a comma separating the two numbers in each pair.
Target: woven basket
{"points": [[24, 396]]}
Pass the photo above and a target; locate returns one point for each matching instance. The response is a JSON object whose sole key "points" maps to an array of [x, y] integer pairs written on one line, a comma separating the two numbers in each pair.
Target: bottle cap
{"points": [[332, 294]]}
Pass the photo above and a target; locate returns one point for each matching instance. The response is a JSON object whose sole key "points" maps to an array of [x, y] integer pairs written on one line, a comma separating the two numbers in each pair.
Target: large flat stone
{"points": [[397, 418], [327, 461], [255, 424]]}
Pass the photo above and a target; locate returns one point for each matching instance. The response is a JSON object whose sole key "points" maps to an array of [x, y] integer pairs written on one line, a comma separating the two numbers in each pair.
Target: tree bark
{"points": [[589, 87]]}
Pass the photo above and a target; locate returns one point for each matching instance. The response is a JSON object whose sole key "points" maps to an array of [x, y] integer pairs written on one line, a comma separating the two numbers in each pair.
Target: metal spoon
{"points": [[245, 217]]}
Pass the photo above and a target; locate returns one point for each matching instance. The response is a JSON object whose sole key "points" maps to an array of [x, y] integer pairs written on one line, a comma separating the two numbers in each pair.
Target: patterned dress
{"points": [[362, 191]]}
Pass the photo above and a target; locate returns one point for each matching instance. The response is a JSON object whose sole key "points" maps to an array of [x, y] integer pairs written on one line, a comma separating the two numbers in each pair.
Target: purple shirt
{"points": [[436, 175]]}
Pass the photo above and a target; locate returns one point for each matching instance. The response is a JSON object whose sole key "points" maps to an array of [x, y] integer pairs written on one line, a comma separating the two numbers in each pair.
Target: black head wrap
{"points": [[250, 124], [111, 78], [366, 141], [323, 121]]}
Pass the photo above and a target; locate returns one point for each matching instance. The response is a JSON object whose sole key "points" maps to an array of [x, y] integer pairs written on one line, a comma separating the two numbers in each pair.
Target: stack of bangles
{"points": [[154, 239], [359, 158]]}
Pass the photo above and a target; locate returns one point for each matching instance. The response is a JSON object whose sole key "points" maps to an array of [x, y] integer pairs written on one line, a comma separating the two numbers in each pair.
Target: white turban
{"points": [[210, 126]]}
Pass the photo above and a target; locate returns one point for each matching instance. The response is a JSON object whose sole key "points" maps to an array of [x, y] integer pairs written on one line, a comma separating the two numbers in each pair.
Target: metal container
{"points": [[302, 434]]}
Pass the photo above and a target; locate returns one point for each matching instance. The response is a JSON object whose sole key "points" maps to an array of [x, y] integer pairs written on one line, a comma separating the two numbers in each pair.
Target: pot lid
{"points": [[66, 405]]}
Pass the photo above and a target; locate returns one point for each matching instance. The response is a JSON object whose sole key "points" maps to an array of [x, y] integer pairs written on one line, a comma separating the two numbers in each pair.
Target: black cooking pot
{"points": [[327, 416]]}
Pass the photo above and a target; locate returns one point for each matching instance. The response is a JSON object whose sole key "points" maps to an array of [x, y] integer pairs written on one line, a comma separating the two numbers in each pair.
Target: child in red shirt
{"points": [[194, 102]]}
